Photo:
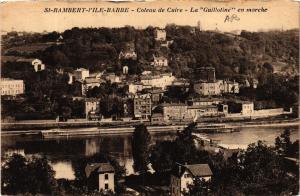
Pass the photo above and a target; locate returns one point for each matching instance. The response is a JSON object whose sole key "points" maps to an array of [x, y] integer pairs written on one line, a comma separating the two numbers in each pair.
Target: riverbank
{"points": [[97, 129]]}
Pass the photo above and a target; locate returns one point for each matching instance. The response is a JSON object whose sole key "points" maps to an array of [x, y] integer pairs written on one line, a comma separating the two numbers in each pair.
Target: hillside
{"points": [[234, 56]]}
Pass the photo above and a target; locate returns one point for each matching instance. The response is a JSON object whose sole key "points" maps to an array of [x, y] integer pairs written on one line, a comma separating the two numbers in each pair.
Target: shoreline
{"points": [[96, 130]]}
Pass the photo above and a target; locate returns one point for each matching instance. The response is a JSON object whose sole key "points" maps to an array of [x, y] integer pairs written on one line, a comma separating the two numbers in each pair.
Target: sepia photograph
{"points": [[180, 98]]}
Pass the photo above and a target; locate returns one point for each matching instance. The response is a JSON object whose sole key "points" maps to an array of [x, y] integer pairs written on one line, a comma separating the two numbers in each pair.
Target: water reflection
{"points": [[62, 151]]}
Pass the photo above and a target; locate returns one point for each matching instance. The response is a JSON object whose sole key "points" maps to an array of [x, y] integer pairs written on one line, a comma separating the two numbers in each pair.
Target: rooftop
{"points": [[100, 167], [199, 170]]}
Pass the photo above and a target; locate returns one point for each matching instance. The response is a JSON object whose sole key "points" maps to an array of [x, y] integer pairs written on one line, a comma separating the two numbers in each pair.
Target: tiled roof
{"points": [[199, 170], [100, 167]]}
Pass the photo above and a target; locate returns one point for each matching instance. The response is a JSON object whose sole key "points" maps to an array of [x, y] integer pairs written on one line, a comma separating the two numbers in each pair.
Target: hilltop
{"points": [[248, 54]]}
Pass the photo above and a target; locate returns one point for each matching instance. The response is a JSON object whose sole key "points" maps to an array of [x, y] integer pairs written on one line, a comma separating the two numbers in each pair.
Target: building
{"points": [[89, 83], [100, 176], [206, 88], [174, 112], [156, 94], [38, 65], [183, 175], [197, 111], [157, 119], [12, 87], [81, 74], [245, 108], [230, 87], [216, 87], [204, 101], [129, 54], [160, 34], [206, 74], [125, 70], [160, 61], [92, 108], [112, 77], [142, 106], [160, 81], [135, 87]]}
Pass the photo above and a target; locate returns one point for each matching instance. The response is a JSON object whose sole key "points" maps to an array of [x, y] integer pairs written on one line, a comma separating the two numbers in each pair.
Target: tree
{"points": [[198, 188], [82, 183], [141, 148], [21, 175], [284, 146]]}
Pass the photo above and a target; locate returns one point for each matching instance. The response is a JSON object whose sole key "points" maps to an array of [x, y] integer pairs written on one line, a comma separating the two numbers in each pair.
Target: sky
{"points": [[30, 16]]}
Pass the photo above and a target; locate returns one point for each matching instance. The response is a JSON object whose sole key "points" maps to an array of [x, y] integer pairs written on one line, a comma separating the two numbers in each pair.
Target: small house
{"points": [[183, 176], [100, 176]]}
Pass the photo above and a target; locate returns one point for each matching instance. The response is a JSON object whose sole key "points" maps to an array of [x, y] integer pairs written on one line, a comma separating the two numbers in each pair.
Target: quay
{"points": [[73, 128]]}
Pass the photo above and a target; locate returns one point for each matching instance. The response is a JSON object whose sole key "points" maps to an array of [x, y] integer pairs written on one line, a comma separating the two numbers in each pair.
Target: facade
{"points": [[216, 87], [92, 108], [183, 175], [206, 88], [160, 81], [247, 108], [38, 65], [203, 101], [125, 70], [197, 111], [135, 87], [160, 61], [160, 34], [12, 87], [101, 176], [142, 106], [174, 112], [230, 87], [81, 74], [128, 55]]}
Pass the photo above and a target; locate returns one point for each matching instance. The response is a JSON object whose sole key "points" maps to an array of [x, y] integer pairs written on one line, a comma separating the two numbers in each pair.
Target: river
{"points": [[61, 151]]}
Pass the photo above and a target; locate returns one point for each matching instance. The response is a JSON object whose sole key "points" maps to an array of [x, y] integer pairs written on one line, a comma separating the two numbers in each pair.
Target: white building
{"points": [[104, 174], [12, 87], [230, 87], [247, 108], [81, 73], [128, 55], [183, 176], [160, 61], [125, 70], [92, 107], [135, 87], [161, 80], [160, 34], [208, 88], [38, 65], [216, 87]]}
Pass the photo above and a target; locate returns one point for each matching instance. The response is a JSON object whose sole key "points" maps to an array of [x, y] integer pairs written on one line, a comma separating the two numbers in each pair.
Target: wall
{"points": [[110, 181]]}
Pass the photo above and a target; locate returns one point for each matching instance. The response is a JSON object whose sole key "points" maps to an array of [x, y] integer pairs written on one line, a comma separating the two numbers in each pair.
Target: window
{"points": [[106, 176], [105, 186]]}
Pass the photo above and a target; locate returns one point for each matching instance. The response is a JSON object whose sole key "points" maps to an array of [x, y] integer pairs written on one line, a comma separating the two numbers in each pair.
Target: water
{"points": [[61, 151]]}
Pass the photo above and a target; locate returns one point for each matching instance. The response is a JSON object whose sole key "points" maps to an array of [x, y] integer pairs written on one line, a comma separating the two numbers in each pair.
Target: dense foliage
{"points": [[141, 139], [21, 175]]}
